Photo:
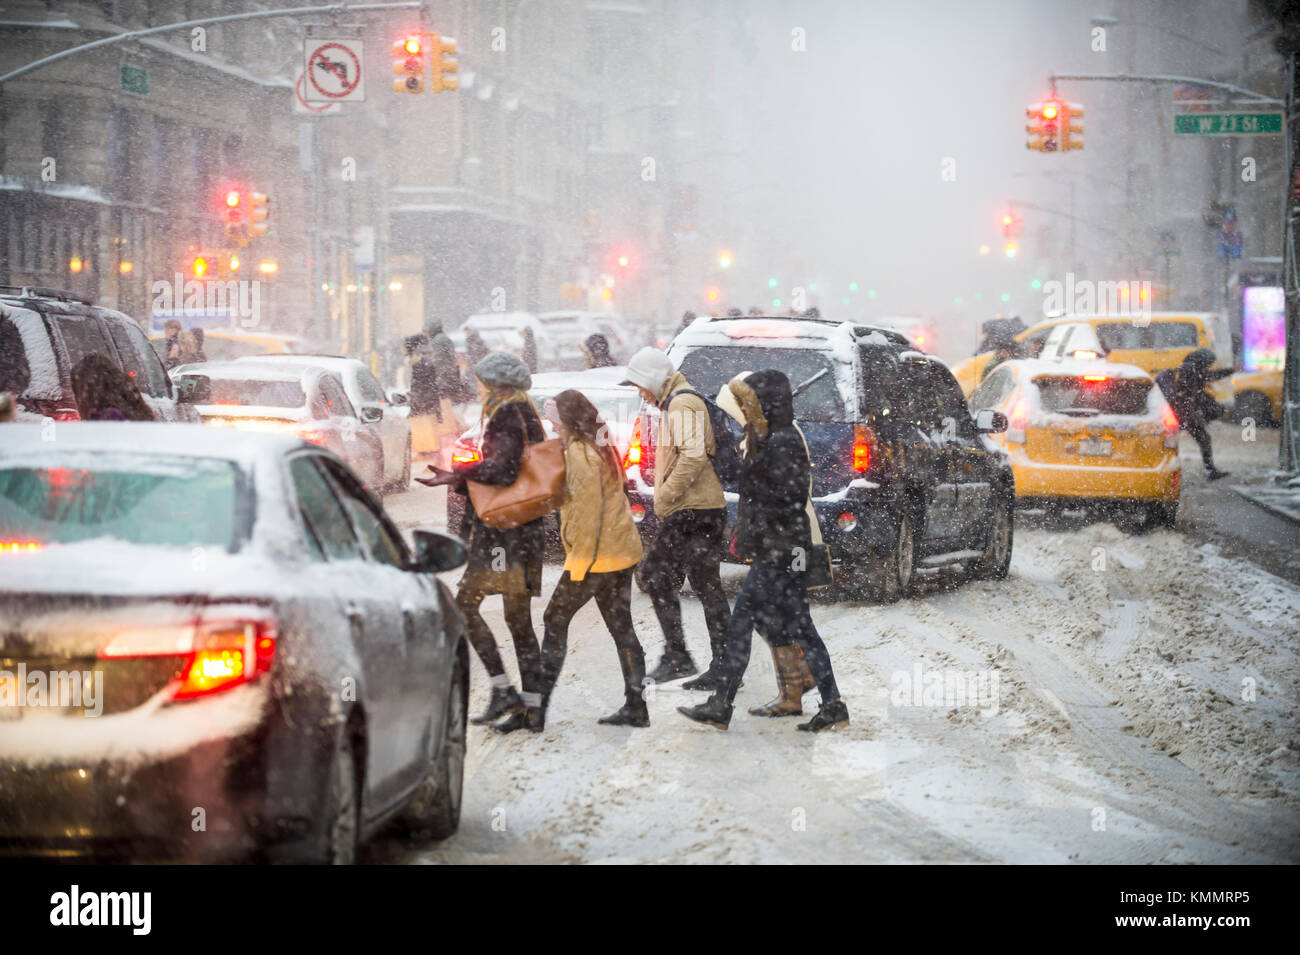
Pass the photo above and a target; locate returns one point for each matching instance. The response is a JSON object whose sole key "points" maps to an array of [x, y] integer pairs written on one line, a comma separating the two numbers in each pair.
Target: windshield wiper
{"points": [[795, 392]]}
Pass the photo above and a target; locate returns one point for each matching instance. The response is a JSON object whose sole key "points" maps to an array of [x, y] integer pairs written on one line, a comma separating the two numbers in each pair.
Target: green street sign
{"points": [[135, 80], [1228, 124]]}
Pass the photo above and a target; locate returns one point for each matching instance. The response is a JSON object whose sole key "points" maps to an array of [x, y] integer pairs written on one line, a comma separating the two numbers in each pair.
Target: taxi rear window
{"points": [[1084, 396]]}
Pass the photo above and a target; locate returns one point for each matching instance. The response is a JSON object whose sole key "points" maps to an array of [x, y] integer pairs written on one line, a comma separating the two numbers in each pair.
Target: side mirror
{"points": [[990, 422], [193, 390], [372, 413], [398, 398], [437, 553]]}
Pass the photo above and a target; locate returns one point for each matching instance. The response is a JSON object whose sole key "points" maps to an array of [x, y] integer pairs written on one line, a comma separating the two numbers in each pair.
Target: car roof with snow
{"points": [[603, 378], [784, 331], [261, 370], [326, 362], [1033, 368], [134, 437]]}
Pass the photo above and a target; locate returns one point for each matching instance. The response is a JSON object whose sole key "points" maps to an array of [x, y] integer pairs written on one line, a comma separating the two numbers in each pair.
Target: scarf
{"points": [[497, 399]]}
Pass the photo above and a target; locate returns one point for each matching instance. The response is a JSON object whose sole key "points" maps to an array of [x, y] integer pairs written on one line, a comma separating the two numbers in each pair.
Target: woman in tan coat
{"points": [[602, 548]]}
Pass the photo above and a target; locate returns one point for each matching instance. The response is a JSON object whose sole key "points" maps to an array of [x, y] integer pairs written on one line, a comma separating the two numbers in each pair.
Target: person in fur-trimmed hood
{"points": [[772, 531]]}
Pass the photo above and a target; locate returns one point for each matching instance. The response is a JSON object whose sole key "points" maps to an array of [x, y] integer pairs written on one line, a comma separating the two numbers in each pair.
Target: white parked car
{"points": [[367, 396], [304, 400], [504, 331]]}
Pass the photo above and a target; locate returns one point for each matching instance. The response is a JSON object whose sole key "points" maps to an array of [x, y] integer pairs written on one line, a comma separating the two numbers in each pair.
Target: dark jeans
{"points": [[774, 599], [688, 546], [613, 595], [517, 603], [1195, 426]]}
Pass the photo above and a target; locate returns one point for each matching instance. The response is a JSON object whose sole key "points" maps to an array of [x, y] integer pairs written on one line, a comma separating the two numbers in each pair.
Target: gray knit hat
{"points": [[501, 369]]}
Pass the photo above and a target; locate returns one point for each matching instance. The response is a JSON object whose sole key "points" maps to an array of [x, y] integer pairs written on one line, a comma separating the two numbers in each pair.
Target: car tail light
{"points": [[1170, 423], [1017, 421], [846, 521], [863, 439], [633, 455], [219, 651], [19, 547], [67, 414], [1094, 377], [463, 453], [314, 436], [638, 513]]}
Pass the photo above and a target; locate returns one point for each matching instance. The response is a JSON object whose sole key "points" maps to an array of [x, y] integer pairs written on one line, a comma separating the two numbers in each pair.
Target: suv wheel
{"points": [[342, 813], [995, 562], [888, 578]]}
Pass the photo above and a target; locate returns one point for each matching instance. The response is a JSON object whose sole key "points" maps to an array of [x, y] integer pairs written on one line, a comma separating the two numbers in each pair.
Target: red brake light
{"points": [[633, 455], [1094, 377], [862, 440], [67, 414], [219, 653], [464, 453]]}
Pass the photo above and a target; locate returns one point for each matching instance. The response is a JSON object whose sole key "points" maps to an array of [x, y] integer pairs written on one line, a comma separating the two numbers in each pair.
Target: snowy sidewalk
{"points": [[1281, 499]]}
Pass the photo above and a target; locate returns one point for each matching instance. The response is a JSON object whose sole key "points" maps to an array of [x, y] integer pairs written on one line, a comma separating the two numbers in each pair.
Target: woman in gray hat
{"points": [[502, 561]]}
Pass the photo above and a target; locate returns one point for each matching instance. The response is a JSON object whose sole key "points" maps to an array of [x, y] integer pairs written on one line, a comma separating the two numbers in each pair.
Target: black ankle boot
{"points": [[831, 715], [631, 713], [713, 711], [531, 718], [673, 665], [503, 703]]}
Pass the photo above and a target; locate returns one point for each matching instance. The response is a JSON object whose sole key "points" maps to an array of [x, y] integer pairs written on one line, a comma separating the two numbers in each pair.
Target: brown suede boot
{"points": [[789, 701], [806, 680]]}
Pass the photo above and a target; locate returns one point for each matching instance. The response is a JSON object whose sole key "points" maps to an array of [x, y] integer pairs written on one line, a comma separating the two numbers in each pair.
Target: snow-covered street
{"points": [[1143, 710]]}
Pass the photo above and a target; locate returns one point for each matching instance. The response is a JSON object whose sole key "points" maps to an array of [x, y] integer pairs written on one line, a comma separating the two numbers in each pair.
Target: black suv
{"points": [[45, 332], [902, 475]]}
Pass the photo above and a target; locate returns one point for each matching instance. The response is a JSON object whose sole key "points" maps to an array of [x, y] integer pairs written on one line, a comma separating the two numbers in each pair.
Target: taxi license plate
{"points": [[1095, 446]]}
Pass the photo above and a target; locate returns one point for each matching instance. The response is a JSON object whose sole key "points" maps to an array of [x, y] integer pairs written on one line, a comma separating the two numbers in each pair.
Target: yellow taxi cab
{"points": [[1251, 394], [1086, 433], [1153, 344]]}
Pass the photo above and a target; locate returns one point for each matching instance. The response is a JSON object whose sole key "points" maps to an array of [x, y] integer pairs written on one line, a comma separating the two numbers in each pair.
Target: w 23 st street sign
{"points": [[1228, 124]]}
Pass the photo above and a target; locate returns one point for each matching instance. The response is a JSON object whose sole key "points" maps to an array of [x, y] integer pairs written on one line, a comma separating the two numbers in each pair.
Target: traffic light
{"points": [[1069, 113], [444, 70], [1011, 223], [200, 266], [234, 213], [1046, 127], [408, 65], [258, 214]]}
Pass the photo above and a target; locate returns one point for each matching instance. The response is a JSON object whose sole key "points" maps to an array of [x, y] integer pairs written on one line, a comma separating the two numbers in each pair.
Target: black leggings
{"points": [[613, 594], [1195, 426], [519, 620], [688, 546]]}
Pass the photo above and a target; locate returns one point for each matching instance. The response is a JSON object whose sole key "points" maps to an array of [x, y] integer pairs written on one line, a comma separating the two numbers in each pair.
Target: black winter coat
{"points": [[772, 523], [1186, 393], [502, 449], [425, 394]]}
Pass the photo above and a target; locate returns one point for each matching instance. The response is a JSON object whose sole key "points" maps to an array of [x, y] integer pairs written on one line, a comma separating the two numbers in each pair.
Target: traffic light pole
{"points": [[1162, 78], [335, 8]]}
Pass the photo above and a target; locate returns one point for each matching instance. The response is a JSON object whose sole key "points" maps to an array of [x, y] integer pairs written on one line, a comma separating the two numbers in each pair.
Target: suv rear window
{"points": [[162, 500], [708, 369], [1066, 394], [83, 336]]}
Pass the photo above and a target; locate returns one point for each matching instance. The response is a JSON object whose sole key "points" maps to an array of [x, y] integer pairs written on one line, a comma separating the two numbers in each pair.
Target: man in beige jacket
{"points": [[692, 516]]}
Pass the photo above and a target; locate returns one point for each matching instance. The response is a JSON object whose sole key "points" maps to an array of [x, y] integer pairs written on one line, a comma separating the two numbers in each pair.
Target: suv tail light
{"points": [[220, 651], [1170, 423], [1017, 421], [67, 414], [633, 455], [863, 440]]}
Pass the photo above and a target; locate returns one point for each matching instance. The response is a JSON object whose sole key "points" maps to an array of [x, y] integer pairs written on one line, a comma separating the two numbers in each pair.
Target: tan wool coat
{"points": [[684, 477], [596, 523]]}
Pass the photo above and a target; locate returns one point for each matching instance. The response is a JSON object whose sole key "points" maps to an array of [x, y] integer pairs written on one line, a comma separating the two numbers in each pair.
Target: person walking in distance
{"points": [[692, 515], [772, 531], [601, 548], [505, 561]]}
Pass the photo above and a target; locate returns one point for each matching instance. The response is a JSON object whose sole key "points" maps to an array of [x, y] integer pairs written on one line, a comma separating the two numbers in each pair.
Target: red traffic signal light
{"points": [[408, 65], [232, 198]]}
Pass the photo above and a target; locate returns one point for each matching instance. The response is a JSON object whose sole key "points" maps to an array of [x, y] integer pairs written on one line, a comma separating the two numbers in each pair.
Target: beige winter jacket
{"points": [[684, 477], [596, 523]]}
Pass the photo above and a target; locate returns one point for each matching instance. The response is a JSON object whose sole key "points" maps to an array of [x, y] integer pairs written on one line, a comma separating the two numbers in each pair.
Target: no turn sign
{"points": [[333, 72]]}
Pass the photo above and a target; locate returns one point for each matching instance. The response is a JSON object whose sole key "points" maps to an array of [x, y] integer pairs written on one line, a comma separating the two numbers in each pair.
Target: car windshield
{"points": [[255, 392], [708, 369], [1122, 396], [168, 501]]}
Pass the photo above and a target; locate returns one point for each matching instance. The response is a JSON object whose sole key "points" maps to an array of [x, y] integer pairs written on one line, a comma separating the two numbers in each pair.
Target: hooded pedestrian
{"points": [[596, 348], [425, 417], [772, 531], [199, 353], [171, 350], [692, 515], [446, 371], [1184, 388], [505, 561], [530, 348], [602, 548], [104, 392]]}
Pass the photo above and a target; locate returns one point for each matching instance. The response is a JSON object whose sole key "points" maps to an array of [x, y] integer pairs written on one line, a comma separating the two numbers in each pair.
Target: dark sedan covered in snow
{"points": [[216, 645]]}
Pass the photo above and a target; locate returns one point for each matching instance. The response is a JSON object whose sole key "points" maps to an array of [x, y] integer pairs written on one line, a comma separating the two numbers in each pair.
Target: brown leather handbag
{"points": [[536, 492]]}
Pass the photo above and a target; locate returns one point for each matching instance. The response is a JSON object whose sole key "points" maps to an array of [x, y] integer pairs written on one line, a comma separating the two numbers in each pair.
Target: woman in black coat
{"points": [[772, 531], [505, 561]]}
